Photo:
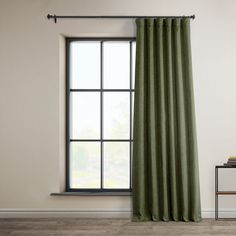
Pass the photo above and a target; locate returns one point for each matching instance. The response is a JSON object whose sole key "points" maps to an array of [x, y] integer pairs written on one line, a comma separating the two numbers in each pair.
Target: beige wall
{"points": [[32, 92]]}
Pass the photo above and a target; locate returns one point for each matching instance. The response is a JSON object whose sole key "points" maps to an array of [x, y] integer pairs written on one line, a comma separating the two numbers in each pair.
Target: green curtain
{"points": [[165, 163]]}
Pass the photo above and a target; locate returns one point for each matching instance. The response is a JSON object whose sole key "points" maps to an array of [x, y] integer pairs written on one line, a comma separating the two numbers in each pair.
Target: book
{"points": [[231, 161]]}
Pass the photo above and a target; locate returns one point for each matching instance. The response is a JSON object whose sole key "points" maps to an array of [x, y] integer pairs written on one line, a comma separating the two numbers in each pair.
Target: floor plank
{"points": [[112, 227]]}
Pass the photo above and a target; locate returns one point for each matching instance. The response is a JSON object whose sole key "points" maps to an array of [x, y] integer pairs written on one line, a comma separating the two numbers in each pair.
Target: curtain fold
{"points": [[165, 162]]}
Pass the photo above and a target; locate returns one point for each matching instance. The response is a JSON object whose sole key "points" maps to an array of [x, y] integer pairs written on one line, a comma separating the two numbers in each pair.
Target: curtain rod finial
{"points": [[52, 16], [193, 16]]}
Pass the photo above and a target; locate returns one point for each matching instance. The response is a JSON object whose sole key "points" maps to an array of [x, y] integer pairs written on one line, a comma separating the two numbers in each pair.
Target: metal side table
{"points": [[218, 192]]}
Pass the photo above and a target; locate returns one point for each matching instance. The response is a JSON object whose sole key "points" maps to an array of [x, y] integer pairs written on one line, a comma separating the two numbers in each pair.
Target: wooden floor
{"points": [[107, 227]]}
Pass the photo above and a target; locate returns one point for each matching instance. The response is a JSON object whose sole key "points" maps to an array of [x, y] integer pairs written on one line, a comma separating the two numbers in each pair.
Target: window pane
{"points": [[85, 115], [132, 125], [133, 63], [116, 65], [116, 115], [85, 65], [85, 165], [131, 163], [116, 165]]}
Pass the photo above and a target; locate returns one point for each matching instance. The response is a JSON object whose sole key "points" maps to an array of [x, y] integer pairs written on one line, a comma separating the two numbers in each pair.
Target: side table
{"points": [[218, 192]]}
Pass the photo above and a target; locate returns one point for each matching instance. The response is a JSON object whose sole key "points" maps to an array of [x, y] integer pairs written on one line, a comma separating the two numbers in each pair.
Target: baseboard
{"points": [[223, 213], [42, 213], [96, 213]]}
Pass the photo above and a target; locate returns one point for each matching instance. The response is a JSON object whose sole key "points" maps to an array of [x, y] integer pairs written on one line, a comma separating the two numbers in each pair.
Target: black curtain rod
{"points": [[55, 17]]}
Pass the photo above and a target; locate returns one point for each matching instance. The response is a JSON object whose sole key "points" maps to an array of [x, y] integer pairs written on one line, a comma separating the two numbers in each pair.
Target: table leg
{"points": [[216, 195]]}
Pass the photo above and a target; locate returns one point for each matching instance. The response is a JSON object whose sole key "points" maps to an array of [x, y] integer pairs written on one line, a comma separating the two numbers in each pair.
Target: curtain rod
{"points": [[55, 17]]}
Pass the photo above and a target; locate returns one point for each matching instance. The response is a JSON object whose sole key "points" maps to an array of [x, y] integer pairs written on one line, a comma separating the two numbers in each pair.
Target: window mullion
{"points": [[101, 110], [68, 115], [130, 113]]}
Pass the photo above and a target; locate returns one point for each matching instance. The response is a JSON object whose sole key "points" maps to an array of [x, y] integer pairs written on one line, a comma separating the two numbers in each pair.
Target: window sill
{"points": [[92, 194]]}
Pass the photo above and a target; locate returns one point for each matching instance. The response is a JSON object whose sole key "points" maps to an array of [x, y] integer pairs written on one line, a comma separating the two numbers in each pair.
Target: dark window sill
{"points": [[92, 194]]}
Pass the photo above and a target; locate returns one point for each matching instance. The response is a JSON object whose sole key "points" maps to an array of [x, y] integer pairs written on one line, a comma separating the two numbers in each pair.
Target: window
{"points": [[100, 95]]}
